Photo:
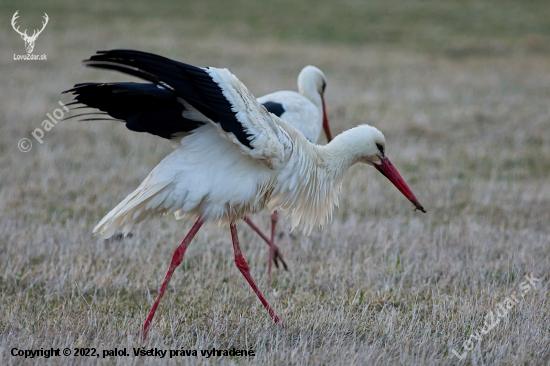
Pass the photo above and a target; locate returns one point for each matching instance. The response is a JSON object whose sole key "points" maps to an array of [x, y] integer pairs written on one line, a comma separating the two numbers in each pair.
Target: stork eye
{"points": [[380, 148], [324, 86]]}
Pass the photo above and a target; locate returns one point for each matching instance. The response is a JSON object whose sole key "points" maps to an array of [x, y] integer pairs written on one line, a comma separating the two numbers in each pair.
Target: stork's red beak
{"points": [[389, 171], [326, 127]]}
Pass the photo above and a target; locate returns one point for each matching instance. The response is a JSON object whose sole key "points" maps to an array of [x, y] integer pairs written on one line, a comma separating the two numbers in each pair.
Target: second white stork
{"points": [[305, 110], [235, 159]]}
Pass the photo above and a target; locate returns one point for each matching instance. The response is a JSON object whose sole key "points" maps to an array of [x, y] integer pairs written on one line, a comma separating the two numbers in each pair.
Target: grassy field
{"points": [[461, 90]]}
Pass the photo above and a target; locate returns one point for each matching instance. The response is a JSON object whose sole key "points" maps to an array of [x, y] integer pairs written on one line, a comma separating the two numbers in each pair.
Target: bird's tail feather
{"points": [[135, 208]]}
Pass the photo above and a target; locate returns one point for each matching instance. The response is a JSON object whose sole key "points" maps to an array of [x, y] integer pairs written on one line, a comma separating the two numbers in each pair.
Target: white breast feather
{"points": [[306, 191]]}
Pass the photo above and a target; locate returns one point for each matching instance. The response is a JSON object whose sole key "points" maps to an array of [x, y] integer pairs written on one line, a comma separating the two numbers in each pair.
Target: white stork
{"points": [[306, 112], [235, 158]]}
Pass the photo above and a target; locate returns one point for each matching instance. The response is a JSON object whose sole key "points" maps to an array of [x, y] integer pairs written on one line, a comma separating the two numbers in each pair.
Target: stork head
{"points": [[366, 144], [311, 78], [312, 84]]}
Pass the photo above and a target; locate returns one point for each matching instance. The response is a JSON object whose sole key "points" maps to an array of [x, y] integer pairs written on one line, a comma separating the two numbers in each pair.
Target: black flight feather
{"points": [[191, 83]]}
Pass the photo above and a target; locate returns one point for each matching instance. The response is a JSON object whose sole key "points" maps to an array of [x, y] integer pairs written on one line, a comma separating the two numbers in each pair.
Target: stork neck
{"points": [[308, 89]]}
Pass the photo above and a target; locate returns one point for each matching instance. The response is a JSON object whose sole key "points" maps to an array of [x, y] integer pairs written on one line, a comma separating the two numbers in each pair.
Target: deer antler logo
{"points": [[29, 41]]}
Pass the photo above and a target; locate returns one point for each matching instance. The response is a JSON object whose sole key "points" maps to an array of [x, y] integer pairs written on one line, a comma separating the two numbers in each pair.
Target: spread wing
{"points": [[208, 95]]}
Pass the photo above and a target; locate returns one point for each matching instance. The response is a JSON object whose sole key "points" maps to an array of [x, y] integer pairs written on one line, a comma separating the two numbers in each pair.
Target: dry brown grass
{"points": [[380, 285]]}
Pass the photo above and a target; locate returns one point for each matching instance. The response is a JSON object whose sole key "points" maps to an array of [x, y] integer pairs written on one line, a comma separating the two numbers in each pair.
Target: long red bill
{"points": [[389, 171], [326, 127]]}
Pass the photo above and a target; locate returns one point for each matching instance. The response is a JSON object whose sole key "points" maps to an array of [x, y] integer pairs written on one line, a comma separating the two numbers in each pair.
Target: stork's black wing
{"points": [[145, 107], [191, 83]]}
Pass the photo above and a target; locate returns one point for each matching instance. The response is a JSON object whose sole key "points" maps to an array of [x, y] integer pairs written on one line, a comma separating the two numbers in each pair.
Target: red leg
{"points": [[256, 229], [278, 255], [274, 219], [245, 270], [176, 260]]}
